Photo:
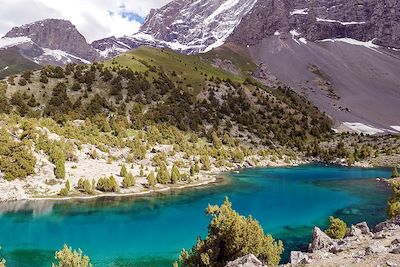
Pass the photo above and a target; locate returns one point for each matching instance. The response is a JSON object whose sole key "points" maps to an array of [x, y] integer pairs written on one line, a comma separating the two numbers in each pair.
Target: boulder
{"points": [[246, 261], [396, 241], [363, 226], [389, 224], [391, 264], [374, 249], [355, 231], [395, 250], [320, 241], [298, 257]]}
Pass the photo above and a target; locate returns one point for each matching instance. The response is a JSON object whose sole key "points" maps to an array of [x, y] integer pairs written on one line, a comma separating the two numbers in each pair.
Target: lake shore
{"points": [[39, 188]]}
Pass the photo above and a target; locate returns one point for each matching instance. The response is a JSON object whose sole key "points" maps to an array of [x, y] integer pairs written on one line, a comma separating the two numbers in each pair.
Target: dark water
{"points": [[151, 231]]}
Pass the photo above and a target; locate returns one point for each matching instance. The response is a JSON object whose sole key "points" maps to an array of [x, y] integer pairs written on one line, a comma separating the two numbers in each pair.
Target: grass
{"points": [[15, 63], [191, 70]]}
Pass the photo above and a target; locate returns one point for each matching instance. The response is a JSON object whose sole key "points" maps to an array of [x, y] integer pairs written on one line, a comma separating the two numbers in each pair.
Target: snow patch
{"points": [[341, 22], [6, 68], [369, 44], [303, 11], [59, 55], [295, 34], [9, 42], [397, 128], [277, 33], [303, 40], [362, 128], [225, 6]]}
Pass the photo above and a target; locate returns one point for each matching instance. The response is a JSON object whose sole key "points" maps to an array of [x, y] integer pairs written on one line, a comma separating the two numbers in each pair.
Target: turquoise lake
{"points": [[151, 231]]}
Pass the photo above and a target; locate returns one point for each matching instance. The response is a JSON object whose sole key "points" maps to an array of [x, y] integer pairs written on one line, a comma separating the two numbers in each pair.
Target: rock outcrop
{"points": [[246, 261], [50, 41]]}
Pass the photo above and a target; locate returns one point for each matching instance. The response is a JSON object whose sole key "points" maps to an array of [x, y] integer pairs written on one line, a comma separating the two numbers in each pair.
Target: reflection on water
{"points": [[152, 230]]}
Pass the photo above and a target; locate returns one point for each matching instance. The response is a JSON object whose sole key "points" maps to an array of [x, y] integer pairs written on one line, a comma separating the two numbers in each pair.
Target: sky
{"points": [[95, 19]]}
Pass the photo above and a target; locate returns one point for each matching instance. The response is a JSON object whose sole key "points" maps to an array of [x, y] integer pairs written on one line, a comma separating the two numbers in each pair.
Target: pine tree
{"points": [[129, 181], [151, 180], [123, 171], [175, 175]]}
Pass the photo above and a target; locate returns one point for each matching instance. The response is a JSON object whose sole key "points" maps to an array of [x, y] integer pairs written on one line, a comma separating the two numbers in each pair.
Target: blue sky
{"points": [[95, 19]]}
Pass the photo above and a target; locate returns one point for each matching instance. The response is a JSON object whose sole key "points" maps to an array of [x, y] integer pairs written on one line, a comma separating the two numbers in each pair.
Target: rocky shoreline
{"points": [[362, 247]]}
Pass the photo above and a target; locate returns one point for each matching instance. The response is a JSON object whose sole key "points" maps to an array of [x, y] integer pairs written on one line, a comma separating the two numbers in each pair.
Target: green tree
{"points": [[68, 258], [85, 186], [395, 172], [175, 174], [337, 228], [107, 184], [65, 191], [231, 236], [123, 171], [58, 158], [151, 180], [129, 180], [216, 140], [205, 163]]}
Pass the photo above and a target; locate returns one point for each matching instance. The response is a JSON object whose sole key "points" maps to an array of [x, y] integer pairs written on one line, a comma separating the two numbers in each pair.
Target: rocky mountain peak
{"points": [[56, 34]]}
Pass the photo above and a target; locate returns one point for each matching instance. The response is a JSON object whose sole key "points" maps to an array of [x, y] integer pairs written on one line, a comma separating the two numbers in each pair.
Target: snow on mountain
{"points": [[188, 26], [6, 42], [50, 41]]}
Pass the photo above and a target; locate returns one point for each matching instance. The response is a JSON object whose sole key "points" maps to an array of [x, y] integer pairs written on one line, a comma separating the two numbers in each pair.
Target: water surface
{"points": [[151, 231]]}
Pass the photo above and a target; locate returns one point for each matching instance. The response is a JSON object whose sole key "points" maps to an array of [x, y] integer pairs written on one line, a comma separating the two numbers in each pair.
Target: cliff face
{"points": [[363, 20], [56, 34]]}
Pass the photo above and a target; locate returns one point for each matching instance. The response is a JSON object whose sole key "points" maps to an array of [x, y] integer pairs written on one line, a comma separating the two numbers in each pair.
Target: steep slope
{"points": [[50, 41], [11, 62], [320, 48], [187, 26]]}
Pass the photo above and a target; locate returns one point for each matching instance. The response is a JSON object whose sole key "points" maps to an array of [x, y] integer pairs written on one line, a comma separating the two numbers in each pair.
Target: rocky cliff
{"points": [[50, 41]]}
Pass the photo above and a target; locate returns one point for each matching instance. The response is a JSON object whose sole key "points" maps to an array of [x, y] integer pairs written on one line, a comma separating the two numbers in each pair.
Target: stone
{"points": [[391, 264], [396, 241], [246, 261], [320, 241], [389, 224], [374, 248], [381, 235], [363, 226], [355, 231], [395, 250], [297, 257]]}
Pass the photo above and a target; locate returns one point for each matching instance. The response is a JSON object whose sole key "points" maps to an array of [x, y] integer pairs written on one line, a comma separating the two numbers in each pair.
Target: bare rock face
{"points": [[366, 20], [320, 241], [56, 34], [246, 261], [388, 225]]}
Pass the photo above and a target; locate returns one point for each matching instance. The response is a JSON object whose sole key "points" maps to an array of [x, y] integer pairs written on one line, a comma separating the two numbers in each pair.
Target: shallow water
{"points": [[151, 231]]}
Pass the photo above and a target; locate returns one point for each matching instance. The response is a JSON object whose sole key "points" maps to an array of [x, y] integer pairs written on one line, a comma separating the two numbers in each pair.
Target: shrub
{"points": [[393, 208], [123, 171], [85, 186], [16, 160], [151, 180], [231, 236], [129, 181], [68, 258], [395, 172], [65, 191], [337, 228], [107, 184], [58, 158], [175, 174], [205, 162]]}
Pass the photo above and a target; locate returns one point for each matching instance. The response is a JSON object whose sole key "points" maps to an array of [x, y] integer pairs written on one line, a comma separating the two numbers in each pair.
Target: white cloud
{"points": [[95, 19]]}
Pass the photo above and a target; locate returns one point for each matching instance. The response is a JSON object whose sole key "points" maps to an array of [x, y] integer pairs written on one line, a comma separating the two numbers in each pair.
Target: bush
{"points": [[175, 174], [68, 258], [337, 228], [151, 180], [85, 186], [129, 180], [16, 160], [107, 184], [395, 172], [123, 171], [58, 158], [231, 236], [65, 191]]}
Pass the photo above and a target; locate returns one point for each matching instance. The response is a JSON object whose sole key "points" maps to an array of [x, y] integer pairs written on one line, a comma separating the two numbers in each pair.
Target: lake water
{"points": [[151, 231]]}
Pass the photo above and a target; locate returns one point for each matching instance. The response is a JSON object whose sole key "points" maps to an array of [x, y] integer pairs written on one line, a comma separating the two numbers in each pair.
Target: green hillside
{"points": [[11, 62]]}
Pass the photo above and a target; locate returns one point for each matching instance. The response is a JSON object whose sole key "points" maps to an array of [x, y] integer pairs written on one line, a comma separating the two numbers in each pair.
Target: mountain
{"points": [[185, 26], [50, 41], [342, 55]]}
